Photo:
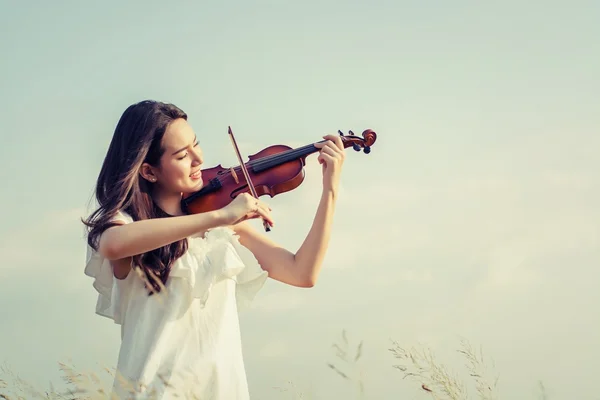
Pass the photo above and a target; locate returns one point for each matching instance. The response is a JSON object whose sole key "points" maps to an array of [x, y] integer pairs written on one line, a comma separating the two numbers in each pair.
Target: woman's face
{"points": [[179, 170]]}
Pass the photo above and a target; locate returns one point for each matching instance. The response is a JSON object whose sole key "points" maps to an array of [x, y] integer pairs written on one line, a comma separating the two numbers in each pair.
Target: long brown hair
{"points": [[137, 139]]}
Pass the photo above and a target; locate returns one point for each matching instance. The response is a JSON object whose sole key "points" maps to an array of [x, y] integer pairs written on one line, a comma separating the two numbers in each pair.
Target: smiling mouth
{"points": [[196, 175]]}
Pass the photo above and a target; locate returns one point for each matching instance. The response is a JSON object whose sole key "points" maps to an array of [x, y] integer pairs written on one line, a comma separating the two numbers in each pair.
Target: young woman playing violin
{"points": [[175, 281]]}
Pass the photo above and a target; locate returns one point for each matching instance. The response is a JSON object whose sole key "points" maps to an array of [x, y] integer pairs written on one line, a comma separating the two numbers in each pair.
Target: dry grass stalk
{"points": [[296, 394], [421, 366], [478, 370], [543, 395], [433, 377], [353, 372], [81, 387]]}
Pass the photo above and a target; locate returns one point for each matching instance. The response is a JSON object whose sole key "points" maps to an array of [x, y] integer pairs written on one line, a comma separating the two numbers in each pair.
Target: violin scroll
{"points": [[358, 143]]}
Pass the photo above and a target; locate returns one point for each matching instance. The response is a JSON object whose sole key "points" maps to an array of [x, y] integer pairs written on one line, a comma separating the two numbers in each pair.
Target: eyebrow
{"points": [[183, 148]]}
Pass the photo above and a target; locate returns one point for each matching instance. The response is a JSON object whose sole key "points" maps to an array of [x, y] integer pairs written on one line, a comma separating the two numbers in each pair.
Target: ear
{"points": [[147, 172]]}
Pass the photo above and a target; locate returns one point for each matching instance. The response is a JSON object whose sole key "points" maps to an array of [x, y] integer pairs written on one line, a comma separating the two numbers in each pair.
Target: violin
{"points": [[274, 170]]}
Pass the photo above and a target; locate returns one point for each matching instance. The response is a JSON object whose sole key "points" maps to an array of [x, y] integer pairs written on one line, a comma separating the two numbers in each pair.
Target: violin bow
{"points": [[247, 175]]}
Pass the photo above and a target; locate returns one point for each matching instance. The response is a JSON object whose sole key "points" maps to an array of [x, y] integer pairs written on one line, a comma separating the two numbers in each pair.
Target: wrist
{"points": [[221, 217], [329, 193], [213, 219]]}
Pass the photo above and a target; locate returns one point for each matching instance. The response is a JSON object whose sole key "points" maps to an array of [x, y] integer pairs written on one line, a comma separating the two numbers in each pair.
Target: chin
{"points": [[194, 186]]}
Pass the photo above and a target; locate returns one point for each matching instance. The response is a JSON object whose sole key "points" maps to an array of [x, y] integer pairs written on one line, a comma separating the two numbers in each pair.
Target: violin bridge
{"points": [[234, 175]]}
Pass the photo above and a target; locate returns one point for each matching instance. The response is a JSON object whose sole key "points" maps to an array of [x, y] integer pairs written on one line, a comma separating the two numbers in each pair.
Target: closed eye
{"points": [[186, 154]]}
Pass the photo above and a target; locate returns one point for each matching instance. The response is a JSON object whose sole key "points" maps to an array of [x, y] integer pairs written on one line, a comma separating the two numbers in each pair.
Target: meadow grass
{"points": [[417, 365]]}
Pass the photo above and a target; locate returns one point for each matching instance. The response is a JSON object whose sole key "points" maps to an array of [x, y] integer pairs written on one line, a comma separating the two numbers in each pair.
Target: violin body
{"points": [[222, 185], [274, 170]]}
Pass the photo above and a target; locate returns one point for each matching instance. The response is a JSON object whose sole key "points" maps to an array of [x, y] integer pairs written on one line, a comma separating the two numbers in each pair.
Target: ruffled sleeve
{"points": [[112, 292], [251, 279], [218, 256]]}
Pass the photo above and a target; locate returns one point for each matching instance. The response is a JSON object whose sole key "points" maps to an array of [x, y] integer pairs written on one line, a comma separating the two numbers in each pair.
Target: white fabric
{"points": [[187, 335]]}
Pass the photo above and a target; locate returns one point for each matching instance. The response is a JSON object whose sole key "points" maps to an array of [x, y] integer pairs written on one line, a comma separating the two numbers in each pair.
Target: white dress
{"points": [[184, 342]]}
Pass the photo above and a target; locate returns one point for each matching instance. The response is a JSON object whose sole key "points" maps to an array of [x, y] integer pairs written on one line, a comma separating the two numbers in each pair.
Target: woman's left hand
{"points": [[332, 158]]}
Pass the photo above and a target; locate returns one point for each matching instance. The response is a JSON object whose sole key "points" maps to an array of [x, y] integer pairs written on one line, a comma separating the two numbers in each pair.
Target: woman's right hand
{"points": [[245, 207]]}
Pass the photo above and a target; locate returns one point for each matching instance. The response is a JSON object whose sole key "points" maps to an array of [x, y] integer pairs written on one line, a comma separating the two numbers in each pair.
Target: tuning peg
{"points": [[341, 133], [356, 147], [367, 149], [352, 133]]}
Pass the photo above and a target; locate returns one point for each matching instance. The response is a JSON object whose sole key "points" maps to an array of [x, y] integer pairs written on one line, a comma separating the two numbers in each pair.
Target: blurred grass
{"points": [[418, 366]]}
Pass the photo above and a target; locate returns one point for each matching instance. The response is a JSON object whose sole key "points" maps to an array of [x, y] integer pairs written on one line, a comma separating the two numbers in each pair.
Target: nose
{"points": [[197, 160]]}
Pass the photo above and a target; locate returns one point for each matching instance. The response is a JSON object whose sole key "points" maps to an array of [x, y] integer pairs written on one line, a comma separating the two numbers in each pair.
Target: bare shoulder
{"points": [[121, 267]]}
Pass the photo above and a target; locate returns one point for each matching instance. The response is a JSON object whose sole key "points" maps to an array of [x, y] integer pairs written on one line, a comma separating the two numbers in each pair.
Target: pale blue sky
{"points": [[488, 123]]}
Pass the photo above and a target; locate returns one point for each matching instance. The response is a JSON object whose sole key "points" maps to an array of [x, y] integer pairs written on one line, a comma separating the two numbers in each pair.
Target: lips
{"points": [[196, 175]]}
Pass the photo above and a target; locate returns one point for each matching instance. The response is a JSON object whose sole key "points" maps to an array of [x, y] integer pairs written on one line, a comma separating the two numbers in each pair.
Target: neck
{"points": [[168, 202]]}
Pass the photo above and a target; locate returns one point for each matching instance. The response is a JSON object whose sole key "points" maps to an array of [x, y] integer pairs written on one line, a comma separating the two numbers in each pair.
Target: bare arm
{"points": [[138, 237], [123, 241], [303, 267], [299, 269]]}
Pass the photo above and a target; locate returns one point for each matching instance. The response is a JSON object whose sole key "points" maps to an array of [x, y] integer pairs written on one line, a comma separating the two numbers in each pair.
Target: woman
{"points": [[176, 282]]}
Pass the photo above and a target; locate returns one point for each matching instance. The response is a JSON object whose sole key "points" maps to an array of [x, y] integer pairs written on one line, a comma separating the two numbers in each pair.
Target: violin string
{"points": [[273, 158], [291, 154]]}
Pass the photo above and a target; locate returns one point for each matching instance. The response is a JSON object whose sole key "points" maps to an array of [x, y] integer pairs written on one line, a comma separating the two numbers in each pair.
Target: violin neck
{"points": [[274, 160], [283, 157]]}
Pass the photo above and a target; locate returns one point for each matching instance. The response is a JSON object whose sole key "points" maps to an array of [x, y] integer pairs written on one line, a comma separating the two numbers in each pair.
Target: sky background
{"points": [[475, 215]]}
